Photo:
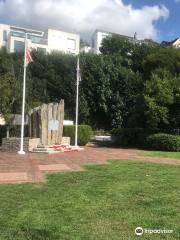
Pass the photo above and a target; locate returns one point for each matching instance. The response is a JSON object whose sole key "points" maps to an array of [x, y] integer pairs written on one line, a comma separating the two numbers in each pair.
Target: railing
{"points": [[33, 38]]}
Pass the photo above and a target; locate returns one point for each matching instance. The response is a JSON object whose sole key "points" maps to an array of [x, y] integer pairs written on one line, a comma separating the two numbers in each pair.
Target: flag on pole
{"points": [[78, 71], [27, 60], [78, 76], [28, 57]]}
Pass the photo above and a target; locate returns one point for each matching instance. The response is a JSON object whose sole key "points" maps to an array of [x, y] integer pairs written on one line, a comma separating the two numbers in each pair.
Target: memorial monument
{"points": [[46, 123], [45, 129]]}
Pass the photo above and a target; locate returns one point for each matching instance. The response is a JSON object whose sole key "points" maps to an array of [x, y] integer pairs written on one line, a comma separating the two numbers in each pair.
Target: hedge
{"points": [[14, 131], [129, 137], [84, 134], [163, 142], [3, 131]]}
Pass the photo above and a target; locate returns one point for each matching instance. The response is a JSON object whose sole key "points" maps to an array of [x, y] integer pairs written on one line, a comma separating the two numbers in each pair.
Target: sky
{"points": [[156, 19]]}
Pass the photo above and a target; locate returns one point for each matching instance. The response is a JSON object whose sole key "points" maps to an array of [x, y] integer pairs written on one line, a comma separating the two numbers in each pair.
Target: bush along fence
{"points": [[3, 133], [84, 134], [14, 131], [146, 138], [164, 142], [131, 137]]}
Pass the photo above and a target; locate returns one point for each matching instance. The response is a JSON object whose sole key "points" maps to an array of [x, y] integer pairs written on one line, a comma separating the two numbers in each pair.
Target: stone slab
{"points": [[11, 177], [33, 143], [66, 141], [54, 167]]}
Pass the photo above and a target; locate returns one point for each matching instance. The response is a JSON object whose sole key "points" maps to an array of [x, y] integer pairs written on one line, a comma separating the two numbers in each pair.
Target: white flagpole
{"points": [[23, 101], [77, 102]]}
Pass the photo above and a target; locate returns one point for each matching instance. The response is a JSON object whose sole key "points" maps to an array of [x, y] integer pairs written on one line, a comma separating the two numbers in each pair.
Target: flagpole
{"points": [[23, 101], [77, 103]]}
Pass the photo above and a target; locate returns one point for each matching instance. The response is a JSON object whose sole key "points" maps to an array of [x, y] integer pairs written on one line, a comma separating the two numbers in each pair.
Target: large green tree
{"points": [[160, 96], [161, 73], [110, 89], [164, 57], [9, 87]]}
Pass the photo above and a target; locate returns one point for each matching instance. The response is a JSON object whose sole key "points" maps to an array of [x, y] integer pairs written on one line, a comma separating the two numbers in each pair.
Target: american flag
{"points": [[28, 57], [78, 70]]}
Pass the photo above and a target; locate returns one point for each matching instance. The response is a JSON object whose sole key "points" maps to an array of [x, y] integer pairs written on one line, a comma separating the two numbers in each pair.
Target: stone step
{"points": [[40, 150], [41, 146], [57, 149], [45, 150]]}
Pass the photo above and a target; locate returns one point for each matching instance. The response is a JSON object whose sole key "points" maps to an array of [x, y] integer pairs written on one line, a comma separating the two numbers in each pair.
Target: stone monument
{"points": [[46, 123]]}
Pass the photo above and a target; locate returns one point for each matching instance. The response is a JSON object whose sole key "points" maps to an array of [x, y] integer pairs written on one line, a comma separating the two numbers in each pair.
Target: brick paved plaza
{"points": [[33, 167]]}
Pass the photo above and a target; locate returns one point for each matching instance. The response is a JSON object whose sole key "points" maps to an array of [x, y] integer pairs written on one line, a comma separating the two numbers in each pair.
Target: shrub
{"points": [[164, 142], [84, 134], [2, 133], [14, 131], [129, 137]]}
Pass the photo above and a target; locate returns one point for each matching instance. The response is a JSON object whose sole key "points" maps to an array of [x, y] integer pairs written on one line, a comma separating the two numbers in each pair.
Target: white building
{"points": [[176, 43], [2, 120], [97, 40], [99, 35], [13, 39]]}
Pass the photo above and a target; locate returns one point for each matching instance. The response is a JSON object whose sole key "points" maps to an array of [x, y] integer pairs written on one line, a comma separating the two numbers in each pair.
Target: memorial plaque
{"points": [[53, 125]]}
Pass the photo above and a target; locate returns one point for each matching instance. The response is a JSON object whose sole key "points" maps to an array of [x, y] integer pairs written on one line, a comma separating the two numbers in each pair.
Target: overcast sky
{"points": [[84, 16]]}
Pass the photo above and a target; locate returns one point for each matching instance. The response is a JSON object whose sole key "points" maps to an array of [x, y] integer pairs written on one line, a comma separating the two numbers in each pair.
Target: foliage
{"points": [[164, 142], [129, 137], [84, 134], [53, 77], [132, 53], [163, 57], [159, 96], [129, 85], [14, 131], [118, 46], [174, 108], [9, 87], [111, 90], [3, 131]]}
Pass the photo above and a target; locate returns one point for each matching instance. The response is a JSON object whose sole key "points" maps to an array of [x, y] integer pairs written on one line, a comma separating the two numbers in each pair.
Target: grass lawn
{"points": [[162, 154], [105, 203]]}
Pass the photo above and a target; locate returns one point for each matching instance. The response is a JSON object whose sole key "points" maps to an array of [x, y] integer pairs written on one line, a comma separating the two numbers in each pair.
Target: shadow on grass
{"points": [[33, 234]]}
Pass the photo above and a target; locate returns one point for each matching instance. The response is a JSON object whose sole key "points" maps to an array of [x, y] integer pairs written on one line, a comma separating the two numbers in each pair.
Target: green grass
{"points": [[104, 202], [162, 154]]}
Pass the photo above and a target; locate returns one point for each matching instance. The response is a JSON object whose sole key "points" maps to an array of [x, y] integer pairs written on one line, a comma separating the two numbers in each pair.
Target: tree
{"points": [[52, 77], [133, 53], [164, 57], [9, 87], [109, 88], [96, 87], [158, 98], [174, 110]]}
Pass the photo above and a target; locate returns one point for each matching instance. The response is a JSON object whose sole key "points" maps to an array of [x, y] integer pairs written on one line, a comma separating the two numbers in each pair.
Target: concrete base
{"points": [[57, 149], [13, 144], [21, 153]]}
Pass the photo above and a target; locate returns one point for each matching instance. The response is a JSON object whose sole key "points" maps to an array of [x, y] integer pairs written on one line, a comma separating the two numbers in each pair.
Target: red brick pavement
{"points": [[33, 167]]}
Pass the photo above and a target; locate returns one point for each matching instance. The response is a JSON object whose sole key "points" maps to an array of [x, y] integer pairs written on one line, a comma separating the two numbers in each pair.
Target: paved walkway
{"points": [[33, 167]]}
